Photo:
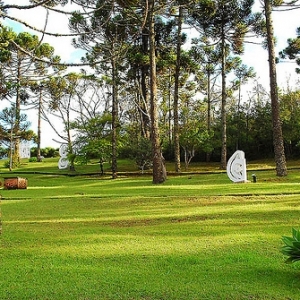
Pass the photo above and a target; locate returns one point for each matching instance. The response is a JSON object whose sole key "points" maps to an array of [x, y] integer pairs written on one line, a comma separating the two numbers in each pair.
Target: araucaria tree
{"points": [[159, 171], [21, 58], [226, 23], [292, 51], [9, 134], [104, 37], [113, 27]]}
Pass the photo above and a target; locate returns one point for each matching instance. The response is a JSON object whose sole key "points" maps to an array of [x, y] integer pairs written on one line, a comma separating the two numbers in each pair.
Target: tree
{"points": [[20, 69], [37, 88], [290, 117], [93, 138], [139, 149], [176, 90], [258, 123], [65, 92], [159, 171], [243, 74], [226, 23], [292, 51], [193, 133], [9, 133], [108, 29], [281, 168], [208, 57]]}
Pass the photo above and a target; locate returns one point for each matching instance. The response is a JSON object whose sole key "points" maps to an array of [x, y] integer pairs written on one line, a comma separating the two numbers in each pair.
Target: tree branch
{"points": [[43, 31], [8, 6]]}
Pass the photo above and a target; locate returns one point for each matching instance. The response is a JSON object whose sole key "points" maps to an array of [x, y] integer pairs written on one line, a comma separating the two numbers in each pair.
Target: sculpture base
{"points": [[242, 181]]}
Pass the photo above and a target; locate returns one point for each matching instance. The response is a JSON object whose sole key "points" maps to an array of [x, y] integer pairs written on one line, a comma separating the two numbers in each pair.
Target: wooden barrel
{"points": [[13, 183]]}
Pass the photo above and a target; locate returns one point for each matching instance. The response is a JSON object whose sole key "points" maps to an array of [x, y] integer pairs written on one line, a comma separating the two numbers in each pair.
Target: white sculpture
{"points": [[63, 162], [24, 149], [236, 167]]}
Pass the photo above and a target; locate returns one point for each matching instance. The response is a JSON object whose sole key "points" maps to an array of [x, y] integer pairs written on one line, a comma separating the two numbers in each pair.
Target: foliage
{"points": [[8, 123], [292, 246], [292, 51], [3, 151], [13, 130], [18, 67], [6, 164], [20, 71], [290, 116], [225, 23], [45, 152], [33, 159], [192, 138], [141, 152], [93, 139]]}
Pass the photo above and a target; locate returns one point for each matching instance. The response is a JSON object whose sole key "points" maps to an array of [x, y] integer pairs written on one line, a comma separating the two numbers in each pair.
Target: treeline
{"points": [[249, 127]]}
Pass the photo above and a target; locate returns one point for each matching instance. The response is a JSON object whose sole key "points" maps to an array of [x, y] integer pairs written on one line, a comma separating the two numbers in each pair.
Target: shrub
{"points": [[46, 152], [6, 164], [292, 246]]}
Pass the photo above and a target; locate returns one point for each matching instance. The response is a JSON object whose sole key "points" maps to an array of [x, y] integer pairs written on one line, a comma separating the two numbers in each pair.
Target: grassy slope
{"points": [[193, 237]]}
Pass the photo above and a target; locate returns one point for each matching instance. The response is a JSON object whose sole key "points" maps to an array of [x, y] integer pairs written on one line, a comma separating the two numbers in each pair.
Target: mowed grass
{"points": [[196, 236]]}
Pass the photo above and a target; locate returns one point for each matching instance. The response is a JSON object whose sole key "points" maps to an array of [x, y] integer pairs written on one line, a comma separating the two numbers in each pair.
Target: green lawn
{"points": [[196, 236]]}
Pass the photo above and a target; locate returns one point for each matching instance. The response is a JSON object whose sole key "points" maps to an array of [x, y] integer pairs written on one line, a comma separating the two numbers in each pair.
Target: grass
{"points": [[196, 236]]}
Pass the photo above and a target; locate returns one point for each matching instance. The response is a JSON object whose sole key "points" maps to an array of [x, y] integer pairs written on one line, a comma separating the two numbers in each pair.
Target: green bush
{"points": [[46, 152], [292, 246], [6, 164], [32, 159]]}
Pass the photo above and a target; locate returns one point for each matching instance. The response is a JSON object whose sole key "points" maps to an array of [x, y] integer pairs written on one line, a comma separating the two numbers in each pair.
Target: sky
{"points": [[285, 24]]}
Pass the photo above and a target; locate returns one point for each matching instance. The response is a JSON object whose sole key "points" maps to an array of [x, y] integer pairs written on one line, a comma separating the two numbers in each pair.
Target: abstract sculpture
{"points": [[236, 167], [63, 162]]}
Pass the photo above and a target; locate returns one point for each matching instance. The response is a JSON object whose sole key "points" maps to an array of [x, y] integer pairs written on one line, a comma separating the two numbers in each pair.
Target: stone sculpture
{"points": [[236, 167], [63, 162]]}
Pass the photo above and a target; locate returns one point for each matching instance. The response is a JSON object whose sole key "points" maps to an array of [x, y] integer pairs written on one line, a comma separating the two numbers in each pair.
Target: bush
{"points": [[46, 152], [32, 159], [6, 164], [292, 246]]}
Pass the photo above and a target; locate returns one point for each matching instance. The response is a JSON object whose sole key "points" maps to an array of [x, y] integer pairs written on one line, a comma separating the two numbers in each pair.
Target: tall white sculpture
{"points": [[24, 149], [63, 162], [236, 167]]}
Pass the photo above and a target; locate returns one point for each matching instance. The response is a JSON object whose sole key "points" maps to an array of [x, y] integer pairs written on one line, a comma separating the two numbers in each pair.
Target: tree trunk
{"points": [[208, 111], [71, 154], [114, 167], [281, 169], [176, 95], [39, 158], [223, 106], [16, 138], [145, 122], [159, 172]]}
